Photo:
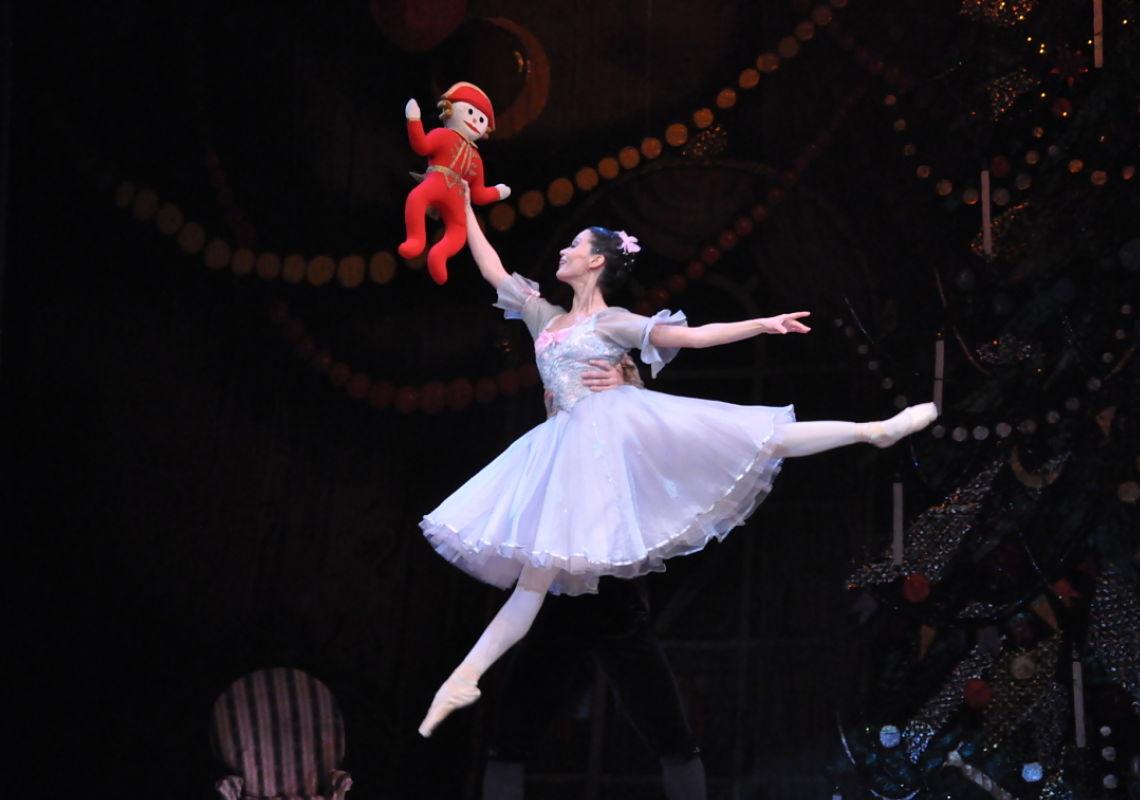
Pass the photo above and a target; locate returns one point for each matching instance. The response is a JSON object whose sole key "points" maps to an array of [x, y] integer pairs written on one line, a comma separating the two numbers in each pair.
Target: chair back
{"points": [[280, 729]]}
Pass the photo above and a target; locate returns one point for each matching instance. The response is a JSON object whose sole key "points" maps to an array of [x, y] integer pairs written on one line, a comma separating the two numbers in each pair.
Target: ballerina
{"points": [[614, 629], [618, 481]]}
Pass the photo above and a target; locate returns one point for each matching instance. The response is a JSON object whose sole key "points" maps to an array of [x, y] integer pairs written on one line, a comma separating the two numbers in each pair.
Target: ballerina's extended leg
{"points": [[808, 438], [509, 625]]}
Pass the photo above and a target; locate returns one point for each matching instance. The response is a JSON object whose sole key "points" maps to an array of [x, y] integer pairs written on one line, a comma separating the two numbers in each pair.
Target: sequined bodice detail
{"points": [[563, 356]]}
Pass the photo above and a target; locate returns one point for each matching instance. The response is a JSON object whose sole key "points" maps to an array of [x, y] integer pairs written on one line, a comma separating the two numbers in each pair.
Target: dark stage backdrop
{"points": [[185, 500]]}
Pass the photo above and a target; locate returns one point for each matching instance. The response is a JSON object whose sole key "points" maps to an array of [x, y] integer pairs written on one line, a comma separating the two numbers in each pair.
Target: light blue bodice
{"points": [[565, 354], [562, 357]]}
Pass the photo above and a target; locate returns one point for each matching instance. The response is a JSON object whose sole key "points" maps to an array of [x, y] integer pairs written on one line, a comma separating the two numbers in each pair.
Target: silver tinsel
{"points": [[1007, 350], [1002, 13], [1049, 721], [1008, 234], [1055, 788], [933, 538], [978, 777], [708, 143], [917, 737], [978, 610], [934, 713], [1020, 699], [1114, 629], [1005, 90]]}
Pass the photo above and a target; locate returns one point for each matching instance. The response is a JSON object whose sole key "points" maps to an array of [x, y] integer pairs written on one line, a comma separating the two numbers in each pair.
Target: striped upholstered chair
{"points": [[282, 734]]}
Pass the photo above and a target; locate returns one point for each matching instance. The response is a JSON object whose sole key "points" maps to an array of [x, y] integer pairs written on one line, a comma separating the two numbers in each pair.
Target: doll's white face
{"points": [[468, 120], [579, 258]]}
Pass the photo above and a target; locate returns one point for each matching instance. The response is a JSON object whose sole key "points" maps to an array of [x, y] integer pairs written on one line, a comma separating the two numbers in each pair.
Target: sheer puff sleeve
{"points": [[520, 299], [632, 331]]}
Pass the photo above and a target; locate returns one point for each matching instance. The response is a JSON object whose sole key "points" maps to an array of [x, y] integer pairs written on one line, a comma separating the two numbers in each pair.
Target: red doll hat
{"points": [[464, 92]]}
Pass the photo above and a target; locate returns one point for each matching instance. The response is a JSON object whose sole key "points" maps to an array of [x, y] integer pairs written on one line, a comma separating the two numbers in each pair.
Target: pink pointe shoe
{"points": [[910, 420], [457, 692]]}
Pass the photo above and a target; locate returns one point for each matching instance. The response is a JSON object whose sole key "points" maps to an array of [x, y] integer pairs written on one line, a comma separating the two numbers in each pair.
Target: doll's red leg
{"points": [[454, 237], [414, 209]]}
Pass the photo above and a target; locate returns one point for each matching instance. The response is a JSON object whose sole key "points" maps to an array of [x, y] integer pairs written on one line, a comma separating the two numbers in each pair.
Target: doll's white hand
{"points": [[412, 110], [503, 190]]}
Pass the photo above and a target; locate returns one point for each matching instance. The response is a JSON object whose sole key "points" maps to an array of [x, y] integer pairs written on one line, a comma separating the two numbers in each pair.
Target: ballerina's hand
{"points": [[786, 323], [604, 376]]}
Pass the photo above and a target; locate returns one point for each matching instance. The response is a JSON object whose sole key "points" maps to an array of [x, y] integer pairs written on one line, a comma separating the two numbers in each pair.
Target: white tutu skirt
{"points": [[623, 481]]}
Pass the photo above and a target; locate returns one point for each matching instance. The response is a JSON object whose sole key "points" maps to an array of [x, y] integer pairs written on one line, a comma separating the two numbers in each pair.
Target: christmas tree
{"points": [[1005, 616]]}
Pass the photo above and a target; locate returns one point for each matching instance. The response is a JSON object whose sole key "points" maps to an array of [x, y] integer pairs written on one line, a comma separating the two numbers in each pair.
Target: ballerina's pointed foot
{"points": [[910, 420], [456, 693]]}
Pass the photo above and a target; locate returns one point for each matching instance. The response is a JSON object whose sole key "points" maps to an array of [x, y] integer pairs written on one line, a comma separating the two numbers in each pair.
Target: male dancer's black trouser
{"points": [[553, 663]]}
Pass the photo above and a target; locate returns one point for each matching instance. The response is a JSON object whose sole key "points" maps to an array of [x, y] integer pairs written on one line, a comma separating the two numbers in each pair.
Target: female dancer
{"points": [[613, 629], [617, 481]]}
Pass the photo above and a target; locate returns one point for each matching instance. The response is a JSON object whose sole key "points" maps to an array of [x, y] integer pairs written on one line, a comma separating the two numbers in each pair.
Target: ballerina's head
{"points": [[597, 251]]}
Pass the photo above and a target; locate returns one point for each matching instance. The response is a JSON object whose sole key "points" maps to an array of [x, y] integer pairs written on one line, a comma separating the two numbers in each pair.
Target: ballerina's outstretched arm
{"points": [[798, 438], [717, 333], [488, 261]]}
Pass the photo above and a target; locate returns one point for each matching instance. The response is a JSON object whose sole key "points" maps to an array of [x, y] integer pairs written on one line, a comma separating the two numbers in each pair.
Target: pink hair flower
{"points": [[629, 243]]}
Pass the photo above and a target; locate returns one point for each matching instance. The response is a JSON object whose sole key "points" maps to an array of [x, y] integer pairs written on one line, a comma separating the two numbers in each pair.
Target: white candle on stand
{"points": [[939, 366], [1078, 703], [1098, 33], [897, 523], [987, 234]]}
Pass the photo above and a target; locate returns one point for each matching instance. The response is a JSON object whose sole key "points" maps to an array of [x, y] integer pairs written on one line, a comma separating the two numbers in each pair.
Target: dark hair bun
{"points": [[619, 261]]}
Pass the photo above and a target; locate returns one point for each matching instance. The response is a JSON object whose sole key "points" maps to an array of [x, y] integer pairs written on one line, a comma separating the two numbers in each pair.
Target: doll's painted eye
{"points": [[470, 111], [482, 120]]}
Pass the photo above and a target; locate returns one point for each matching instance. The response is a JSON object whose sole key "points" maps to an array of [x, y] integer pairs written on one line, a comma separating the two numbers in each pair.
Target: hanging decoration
{"points": [[561, 191], [1002, 93], [431, 397], [745, 223]]}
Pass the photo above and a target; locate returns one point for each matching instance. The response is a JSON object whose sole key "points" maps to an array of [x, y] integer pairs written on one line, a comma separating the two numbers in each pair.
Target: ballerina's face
{"points": [[579, 258]]}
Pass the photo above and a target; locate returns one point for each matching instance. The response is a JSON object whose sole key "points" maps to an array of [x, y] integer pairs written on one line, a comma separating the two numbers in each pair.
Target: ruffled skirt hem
{"points": [[500, 564]]}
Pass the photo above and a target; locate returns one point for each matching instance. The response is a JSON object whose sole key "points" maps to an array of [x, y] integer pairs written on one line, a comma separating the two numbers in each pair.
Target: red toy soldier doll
{"points": [[453, 159]]}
